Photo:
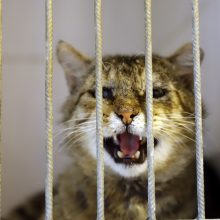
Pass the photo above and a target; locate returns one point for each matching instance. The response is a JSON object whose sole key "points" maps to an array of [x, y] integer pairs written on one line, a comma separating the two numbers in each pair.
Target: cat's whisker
{"points": [[173, 137], [176, 116], [78, 119], [80, 123], [179, 112], [179, 134], [76, 138], [72, 129], [72, 139], [77, 131], [182, 124], [180, 120], [80, 131]]}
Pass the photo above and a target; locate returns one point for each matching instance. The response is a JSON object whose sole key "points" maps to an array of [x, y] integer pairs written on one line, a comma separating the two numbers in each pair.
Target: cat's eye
{"points": [[92, 93], [159, 92], [107, 93]]}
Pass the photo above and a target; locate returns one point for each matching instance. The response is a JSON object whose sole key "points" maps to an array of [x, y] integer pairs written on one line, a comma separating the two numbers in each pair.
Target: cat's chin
{"points": [[123, 170]]}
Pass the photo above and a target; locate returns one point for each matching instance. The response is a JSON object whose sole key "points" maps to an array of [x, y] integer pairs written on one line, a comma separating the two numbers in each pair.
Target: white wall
{"points": [[24, 67]]}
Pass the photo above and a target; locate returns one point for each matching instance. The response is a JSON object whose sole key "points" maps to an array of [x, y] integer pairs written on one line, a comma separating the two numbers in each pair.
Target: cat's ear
{"points": [[74, 63], [183, 62]]}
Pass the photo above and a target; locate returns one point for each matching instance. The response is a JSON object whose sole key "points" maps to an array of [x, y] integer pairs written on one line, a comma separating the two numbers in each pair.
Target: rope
{"points": [[49, 110], [99, 112], [198, 112], [149, 112], [1, 108]]}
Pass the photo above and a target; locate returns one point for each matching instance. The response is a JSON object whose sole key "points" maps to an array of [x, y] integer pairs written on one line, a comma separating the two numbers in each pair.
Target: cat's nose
{"points": [[127, 117]]}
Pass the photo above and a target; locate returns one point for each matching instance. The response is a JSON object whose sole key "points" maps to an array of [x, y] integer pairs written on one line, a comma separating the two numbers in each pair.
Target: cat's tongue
{"points": [[129, 144]]}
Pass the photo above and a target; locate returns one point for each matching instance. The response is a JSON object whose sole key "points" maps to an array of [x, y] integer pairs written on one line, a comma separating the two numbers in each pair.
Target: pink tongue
{"points": [[129, 144]]}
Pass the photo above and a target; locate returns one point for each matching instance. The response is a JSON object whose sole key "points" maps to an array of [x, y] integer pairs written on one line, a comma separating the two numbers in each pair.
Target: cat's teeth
{"points": [[140, 138], [120, 154], [115, 139], [137, 154]]}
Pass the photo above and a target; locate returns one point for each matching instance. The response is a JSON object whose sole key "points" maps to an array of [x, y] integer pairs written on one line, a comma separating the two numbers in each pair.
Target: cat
{"points": [[125, 154]]}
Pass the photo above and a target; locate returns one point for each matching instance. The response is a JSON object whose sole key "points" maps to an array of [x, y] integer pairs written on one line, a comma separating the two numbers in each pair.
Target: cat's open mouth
{"points": [[127, 148]]}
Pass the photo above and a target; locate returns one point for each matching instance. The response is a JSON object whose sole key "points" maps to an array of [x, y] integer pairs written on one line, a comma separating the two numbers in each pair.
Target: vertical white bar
{"points": [[149, 112], [49, 110], [198, 112], [1, 89], [99, 112]]}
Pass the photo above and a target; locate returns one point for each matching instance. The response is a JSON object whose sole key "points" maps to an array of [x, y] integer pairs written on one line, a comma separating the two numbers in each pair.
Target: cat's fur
{"points": [[173, 128]]}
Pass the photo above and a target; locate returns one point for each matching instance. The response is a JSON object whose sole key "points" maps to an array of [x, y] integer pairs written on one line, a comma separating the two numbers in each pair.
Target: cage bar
{"points": [[198, 111], [149, 111], [49, 110], [99, 111], [1, 84]]}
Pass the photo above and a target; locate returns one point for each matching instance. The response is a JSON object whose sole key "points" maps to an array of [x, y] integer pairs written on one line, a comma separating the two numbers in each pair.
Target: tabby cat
{"points": [[125, 155]]}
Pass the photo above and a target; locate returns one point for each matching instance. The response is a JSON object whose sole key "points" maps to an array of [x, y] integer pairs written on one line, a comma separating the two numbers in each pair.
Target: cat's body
{"points": [[124, 199], [125, 137]]}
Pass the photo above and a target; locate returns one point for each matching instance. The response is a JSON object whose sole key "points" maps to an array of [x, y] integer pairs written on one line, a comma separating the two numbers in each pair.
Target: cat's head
{"points": [[124, 109]]}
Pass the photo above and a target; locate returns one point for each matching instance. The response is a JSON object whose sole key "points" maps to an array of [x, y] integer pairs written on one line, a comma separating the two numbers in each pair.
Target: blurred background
{"points": [[123, 25]]}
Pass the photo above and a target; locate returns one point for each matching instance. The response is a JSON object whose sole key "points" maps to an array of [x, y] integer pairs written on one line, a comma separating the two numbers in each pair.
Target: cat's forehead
{"points": [[128, 72]]}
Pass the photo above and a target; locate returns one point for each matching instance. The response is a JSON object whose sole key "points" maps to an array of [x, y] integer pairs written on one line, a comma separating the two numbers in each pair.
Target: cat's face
{"points": [[124, 109]]}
